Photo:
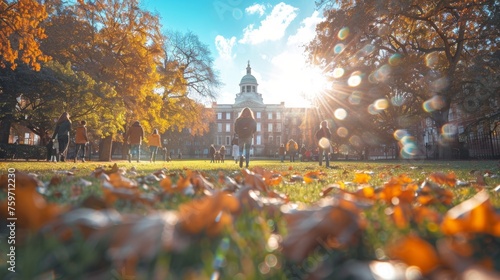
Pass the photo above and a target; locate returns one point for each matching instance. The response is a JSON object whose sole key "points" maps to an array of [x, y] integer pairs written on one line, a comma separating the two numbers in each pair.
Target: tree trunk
{"points": [[105, 148], [5, 124]]}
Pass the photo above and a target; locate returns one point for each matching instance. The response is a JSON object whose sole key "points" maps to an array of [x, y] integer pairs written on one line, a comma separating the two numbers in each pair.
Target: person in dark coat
{"points": [[281, 152], [211, 153], [236, 148], [47, 142], [61, 132], [245, 126], [134, 137], [324, 132]]}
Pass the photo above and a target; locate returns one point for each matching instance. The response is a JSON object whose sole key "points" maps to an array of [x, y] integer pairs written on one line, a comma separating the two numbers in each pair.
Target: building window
{"points": [[228, 115], [258, 115], [228, 127], [270, 140], [219, 127], [270, 127], [258, 140], [27, 139], [253, 89], [278, 127], [278, 140], [270, 116], [228, 141], [243, 89], [278, 115], [249, 88], [219, 116], [258, 127], [219, 140]]}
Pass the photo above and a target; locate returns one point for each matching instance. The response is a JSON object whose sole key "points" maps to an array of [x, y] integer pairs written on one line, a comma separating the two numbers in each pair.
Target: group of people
{"points": [[245, 127], [134, 137], [57, 144], [291, 148]]}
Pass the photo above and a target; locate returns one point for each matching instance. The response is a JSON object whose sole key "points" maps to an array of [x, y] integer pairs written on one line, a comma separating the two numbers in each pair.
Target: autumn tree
{"points": [[115, 43], [432, 43], [21, 32]]}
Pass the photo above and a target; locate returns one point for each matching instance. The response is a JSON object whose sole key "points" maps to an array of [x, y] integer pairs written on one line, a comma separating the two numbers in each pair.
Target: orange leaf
{"points": [[475, 215], [208, 213], [119, 181], [444, 179], [361, 178], [415, 251]]}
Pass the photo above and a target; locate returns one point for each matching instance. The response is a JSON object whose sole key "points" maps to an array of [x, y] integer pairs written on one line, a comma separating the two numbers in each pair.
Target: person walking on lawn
{"points": [[154, 142], [323, 136], [245, 126], [81, 140], [291, 148], [236, 148], [134, 137], [61, 132], [211, 153]]}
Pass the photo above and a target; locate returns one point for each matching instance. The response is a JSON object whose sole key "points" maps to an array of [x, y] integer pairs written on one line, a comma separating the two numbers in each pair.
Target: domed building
{"points": [[276, 124]]}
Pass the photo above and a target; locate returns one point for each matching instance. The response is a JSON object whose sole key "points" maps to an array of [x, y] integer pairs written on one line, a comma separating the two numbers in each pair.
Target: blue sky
{"points": [[269, 34]]}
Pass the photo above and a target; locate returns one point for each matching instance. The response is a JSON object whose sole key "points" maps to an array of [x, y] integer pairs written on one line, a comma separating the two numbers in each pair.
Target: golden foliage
{"points": [[21, 33]]}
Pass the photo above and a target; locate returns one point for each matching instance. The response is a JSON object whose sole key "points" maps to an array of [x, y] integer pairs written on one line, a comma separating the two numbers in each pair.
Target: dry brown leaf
{"points": [[414, 251], [444, 179], [475, 215]]}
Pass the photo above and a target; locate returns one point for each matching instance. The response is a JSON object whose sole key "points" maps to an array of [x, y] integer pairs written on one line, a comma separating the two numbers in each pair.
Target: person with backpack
{"points": [[81, 140], [291, 148], [245, 126], [323, 136]]}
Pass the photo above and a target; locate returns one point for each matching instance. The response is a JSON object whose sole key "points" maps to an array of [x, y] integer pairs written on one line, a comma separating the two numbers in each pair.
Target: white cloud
{"points": [[307, 30], [225, 46], [273, 27], [256, 9]]}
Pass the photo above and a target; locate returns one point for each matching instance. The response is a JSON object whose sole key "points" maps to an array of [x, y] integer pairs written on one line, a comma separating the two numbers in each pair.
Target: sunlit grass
{"points": [[248, 239]]}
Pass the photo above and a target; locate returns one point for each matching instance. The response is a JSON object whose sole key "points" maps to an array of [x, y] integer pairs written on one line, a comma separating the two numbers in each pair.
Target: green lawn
{"points": [[286, 229]]}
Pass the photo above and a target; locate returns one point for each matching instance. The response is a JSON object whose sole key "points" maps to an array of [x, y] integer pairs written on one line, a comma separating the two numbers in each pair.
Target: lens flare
{"points": [[354, 80], [324, 143], [372, 110], [338, 48], [340, 114], [338, 72], [355, 140], [449, 130], [439, 84], [355, 97], [343, 33], [409, 150], [381, 74], [434, 103], [432, 60], [395, 59], [342, 131], [400, 133], [381, 104]]}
